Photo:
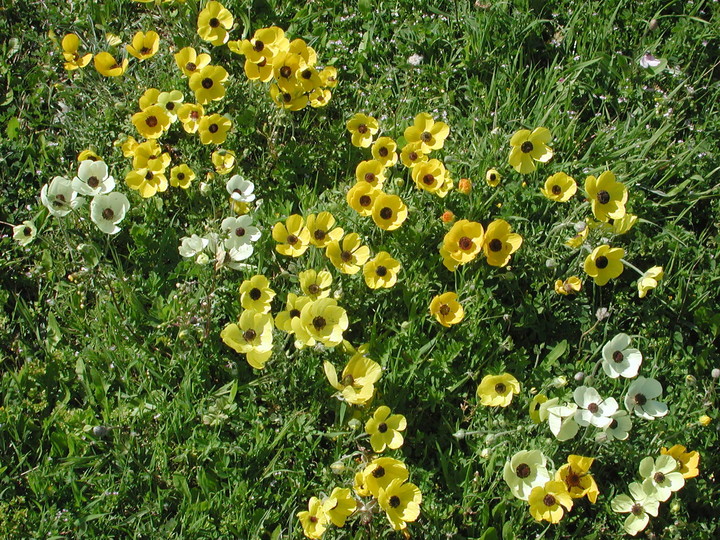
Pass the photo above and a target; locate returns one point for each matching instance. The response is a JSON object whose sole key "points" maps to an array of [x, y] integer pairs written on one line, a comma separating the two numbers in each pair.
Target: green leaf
{"points": [[11, 128]]}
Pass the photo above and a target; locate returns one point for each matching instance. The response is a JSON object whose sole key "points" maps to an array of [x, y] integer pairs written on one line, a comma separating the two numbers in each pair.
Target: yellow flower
{"points": [[624, 224], [251, 336], [362, 128], [112, 39], [571, 285], [149, 98], [497, 390], [389, 212], [371, 172], [146, 182], [314, 521], [349, 255], [224, 161], [181, 176], [290, 98], [73, 59], [500, 243], [430, 134], [705, 420], [381, 271], [534, 407], [462, 243], [171, 102], [294, 305], [361, 197], [430, 176], [381, 472], [547, 502], [190, 115], [528, 147], [384, 150], [559, 187], [687, 461], [328, 76], [604, 264], [149, 155], [357, 384], [359, 485], [315, 284], [107, 66], [190, 61], [213, 129], [578, 240], [88, 154], [607, 196], [265, 45], [446, 309], [649, 280], [207, 84], [401, 503], [213, 23], [339, 506], [152, 122], [144, 45], [575, 474], [319, 97], [384, 429], [321, 229], [256, 294], [292, 236], [492, 177], [262, 72]]}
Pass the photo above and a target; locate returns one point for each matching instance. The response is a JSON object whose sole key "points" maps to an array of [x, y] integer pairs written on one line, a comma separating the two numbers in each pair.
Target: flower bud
{"points": [[579, 376], [559, 382], [338, 467], [204, 188], [447, 217], [715, 373], [465, 186]]}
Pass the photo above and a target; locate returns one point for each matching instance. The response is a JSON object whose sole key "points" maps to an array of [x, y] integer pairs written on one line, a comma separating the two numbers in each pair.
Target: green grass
{"points": [[123, 413]]}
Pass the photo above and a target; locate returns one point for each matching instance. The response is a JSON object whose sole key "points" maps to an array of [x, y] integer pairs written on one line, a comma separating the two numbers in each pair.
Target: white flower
{"points": [[593, 409], [661, 476], [524, 471], [561, 419], [415, 60], [240, 190], [92, 178], [107, 211], [190, 246], [24, 233], [640, 398], [648, 60], [639, 506], [59, 197], [240, 231], [619, 359], [619, 427], [237, 254]]}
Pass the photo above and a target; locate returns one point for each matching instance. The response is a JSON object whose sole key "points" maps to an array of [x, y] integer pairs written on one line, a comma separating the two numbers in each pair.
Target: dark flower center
{"points": [[394, 501], [381, 271], [572, 479], [382, 428], [413, 156], [195, 115], [287, 98], [365, 200], [362, 129], [319, 323], [191, 66], [255, 293], [659, 478], [465, 243], [319, 234], [495, 245], [601, 262], [258, 46], [379, 472], [347, 381], [613, 424], [346, 256], [444, 310], [249, 335], [428, 179], [214, 23], [294, 313], [637, 509], [149, 175], [386, 213], [383, 152], [170, 105], [145, 50], [618, 356], [93, 182], [527, 147], [151, 121], [493, 177], [262, 63], [557, 190], [181, 176], [640, 399], [27, 231], [213, 128], [603, 197], [306, 74], [292, 239], [500, 388], [314, 288], [549, 500], [207, 83], [369, 177], [108, 214], [426, 136], [313, 519], [285, 71], [593, 408], [523, 470]]}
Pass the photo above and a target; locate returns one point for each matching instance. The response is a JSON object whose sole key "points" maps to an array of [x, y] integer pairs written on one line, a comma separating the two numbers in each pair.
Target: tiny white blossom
{"points": [[415, 60], [648, 60]]}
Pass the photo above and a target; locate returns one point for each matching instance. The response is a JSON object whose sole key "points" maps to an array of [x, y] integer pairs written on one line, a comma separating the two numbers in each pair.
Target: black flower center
{"points": [[27, 231], [495, 245], [145, 50], [549, 500], [386, 213], [93, 182], [149, 175], [601, 262], [181, 176], [523, 470], [255, 293], [493, 177], [319, 234], [191, 66], [108, 214], [613, 424], [640, 399], [428, 179], [365, 200], [593, 408], [294, 313], [394, 501], [346, 256], [413, 156], [287, 98], [382, 428], [381, 271], [618, 356], [170, 105], [383, 152], [292, 239], [527, 147], [500, 388], [659, 478], [258, 46], [603, 197], [319, 323], [151, 121], [369, 177], [214, 23], [306, 74], [207, 83], [556, 190], [572, 479], [213, 128], [637, 509], [249, 335], [379, 472], [444, 310], [285, 71]]}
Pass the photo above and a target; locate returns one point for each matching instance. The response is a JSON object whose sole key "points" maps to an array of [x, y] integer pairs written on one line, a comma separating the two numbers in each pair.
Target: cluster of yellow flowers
{"points": [[290, 65], [144, 45], [465, 239], [347, 253], [311, 319]]}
